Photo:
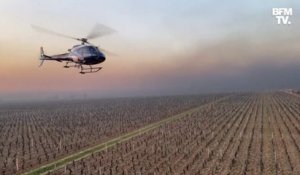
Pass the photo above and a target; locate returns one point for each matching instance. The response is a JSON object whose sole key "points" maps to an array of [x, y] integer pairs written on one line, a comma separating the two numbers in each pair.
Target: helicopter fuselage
{"points": [[86, 54]]}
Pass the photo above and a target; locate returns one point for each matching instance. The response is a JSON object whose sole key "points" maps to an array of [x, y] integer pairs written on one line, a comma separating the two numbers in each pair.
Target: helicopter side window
{"points": [[86, 51], [79, 51]]}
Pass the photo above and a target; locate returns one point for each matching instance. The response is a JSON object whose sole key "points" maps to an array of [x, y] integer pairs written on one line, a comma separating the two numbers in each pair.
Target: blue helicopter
{"points": [[82, 56]]}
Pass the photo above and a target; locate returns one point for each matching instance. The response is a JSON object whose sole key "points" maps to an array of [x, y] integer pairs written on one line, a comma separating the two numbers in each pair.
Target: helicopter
{"points": [[83, 56]]}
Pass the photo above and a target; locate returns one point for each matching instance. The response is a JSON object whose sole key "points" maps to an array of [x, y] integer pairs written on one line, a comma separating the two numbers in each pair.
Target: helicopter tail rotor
{"points": [[43, 57]]}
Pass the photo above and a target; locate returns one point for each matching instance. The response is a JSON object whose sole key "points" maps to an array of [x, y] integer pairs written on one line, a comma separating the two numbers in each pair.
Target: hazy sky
{"points": [[163, 47]]}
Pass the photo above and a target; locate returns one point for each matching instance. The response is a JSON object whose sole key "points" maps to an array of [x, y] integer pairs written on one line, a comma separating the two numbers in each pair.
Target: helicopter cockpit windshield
{"points": [[87, 51]]}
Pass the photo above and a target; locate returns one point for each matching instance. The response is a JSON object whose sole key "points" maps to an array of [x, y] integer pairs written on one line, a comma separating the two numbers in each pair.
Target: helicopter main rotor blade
{"points": [[100, 30], [107, 52], [40, 29]]}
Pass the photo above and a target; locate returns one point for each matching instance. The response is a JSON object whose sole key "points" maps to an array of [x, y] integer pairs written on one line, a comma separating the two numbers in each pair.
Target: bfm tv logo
{"points": [[282, 15]]}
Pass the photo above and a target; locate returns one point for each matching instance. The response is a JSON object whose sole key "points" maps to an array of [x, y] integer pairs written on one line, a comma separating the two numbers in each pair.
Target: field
{"points": [[33, 134], [245, 133]]}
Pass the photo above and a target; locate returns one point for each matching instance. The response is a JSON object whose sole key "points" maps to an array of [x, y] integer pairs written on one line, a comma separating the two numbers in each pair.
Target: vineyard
{"points": [[246, 133], [33, 134]]}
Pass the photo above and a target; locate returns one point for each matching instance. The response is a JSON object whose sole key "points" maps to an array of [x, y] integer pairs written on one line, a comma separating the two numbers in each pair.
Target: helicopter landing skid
{"points": [[83, 70], [90, 69]]}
